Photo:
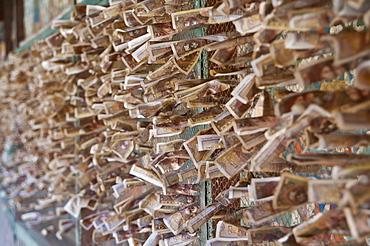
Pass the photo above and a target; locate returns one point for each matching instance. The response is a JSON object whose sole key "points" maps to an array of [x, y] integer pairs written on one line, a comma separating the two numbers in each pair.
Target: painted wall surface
{"points": [[39, 13]]}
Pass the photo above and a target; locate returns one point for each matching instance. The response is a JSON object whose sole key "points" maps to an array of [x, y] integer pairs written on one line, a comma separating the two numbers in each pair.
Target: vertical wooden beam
{"points": [[19, 21], [2, 10], [8, 24]]}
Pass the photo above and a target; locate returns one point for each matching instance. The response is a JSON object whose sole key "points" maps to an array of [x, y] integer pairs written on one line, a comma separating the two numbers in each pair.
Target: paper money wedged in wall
{"points": [[273, 91]]}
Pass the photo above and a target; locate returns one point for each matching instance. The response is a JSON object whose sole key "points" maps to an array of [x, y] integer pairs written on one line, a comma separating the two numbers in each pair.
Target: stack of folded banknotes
{"points": [[139, 102]]}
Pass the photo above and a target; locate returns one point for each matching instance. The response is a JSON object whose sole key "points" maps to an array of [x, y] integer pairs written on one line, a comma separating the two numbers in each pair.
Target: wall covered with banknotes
{"points": [[173, 122]]}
